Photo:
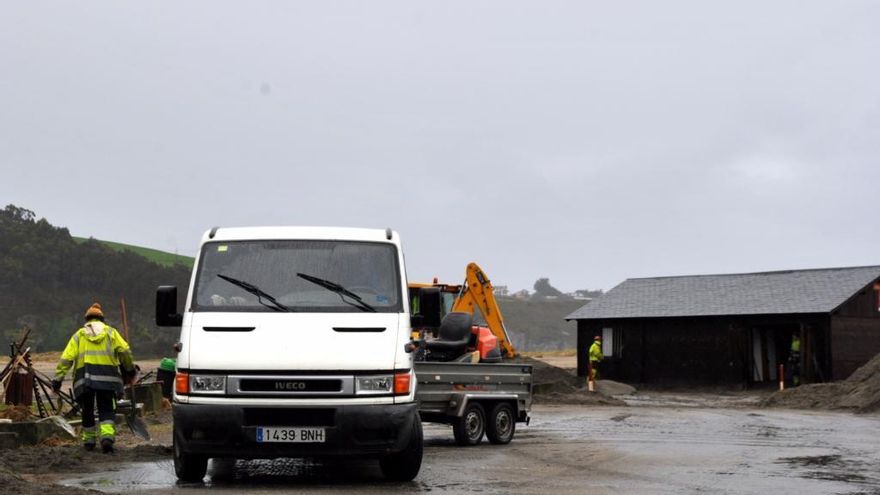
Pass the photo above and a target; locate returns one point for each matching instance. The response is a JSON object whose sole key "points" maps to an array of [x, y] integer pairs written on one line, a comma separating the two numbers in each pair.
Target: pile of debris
{"points": [[23, 385], [860, 392], [554, 385]]}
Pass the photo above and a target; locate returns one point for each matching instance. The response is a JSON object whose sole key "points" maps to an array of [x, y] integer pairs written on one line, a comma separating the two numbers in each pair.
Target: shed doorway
{"points": [[770, 347]]}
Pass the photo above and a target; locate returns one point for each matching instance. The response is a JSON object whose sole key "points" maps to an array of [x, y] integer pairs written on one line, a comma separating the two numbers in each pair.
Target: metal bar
{"points": [[41, 409], [55, 410]]}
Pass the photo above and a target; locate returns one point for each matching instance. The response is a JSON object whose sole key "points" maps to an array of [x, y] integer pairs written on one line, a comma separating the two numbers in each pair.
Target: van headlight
{"points": [[374, 385], [207, 384]]}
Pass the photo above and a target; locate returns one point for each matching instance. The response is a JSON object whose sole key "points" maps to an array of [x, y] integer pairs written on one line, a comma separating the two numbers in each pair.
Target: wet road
{"points": [[572, 449]]}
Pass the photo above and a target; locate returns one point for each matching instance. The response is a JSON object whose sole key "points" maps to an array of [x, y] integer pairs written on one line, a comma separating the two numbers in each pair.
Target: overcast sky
{"points": [[582, 141]]}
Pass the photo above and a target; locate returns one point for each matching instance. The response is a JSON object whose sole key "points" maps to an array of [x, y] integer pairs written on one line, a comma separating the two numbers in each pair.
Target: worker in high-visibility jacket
{"points": [[596, 356], [95, 353], [794, 358]]}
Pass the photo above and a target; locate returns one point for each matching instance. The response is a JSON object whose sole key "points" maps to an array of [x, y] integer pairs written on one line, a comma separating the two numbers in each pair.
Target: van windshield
{"points": [[267, 276]]}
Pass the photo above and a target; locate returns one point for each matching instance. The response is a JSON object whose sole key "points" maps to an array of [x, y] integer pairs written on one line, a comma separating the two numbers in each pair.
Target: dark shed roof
{"points": [[784, 292]]}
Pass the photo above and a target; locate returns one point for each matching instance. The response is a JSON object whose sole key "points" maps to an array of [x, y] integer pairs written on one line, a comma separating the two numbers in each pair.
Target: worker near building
{"points": [[794, 358], [595, 356], [95, 353]]}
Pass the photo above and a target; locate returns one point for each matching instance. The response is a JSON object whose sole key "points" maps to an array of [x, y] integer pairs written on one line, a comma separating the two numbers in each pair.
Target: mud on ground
{"points": [[555, 385], [33, 469], [860, 393]]}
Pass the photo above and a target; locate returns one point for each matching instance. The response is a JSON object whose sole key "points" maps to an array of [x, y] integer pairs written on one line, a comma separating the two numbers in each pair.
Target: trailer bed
{"points": [[459, 393]]}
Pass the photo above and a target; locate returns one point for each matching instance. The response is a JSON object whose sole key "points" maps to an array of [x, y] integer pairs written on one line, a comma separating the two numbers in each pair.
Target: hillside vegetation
{"points": [[159, 257], [540, 325], [48, 279]]}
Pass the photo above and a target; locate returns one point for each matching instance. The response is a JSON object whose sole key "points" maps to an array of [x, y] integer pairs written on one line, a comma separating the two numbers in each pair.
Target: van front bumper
{"points": [[231, 430]]}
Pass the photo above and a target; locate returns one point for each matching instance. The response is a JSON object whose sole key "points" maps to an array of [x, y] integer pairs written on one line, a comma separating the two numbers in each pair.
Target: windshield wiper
{"points": [[260, 293], [342, 291]]}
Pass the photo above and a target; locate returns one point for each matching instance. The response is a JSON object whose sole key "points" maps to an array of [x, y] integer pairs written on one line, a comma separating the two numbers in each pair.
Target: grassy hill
{"points": [[540, 325], [159, 257]]}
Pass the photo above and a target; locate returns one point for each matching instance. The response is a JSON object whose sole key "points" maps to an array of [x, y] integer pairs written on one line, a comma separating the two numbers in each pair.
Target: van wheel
{"points": [[405, 465], [502, 424], [188, 467], [469, 428]]}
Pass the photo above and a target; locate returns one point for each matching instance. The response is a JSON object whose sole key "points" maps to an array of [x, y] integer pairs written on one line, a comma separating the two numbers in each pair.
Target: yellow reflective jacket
{"points": [[596, 351], [95, 353]]}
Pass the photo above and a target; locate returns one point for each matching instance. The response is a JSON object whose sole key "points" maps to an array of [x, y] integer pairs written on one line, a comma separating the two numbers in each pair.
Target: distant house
{"points": [[501, 291], [521, 294], [734, 329], [582, 295]]}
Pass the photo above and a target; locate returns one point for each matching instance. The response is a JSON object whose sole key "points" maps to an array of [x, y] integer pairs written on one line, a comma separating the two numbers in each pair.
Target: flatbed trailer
{"points": [[475, 398]]}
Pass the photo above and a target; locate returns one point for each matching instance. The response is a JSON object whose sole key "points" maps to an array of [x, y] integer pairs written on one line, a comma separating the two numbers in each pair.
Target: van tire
{"points": [[405, 465], [190, 468], [470, 427], [501, 424]]}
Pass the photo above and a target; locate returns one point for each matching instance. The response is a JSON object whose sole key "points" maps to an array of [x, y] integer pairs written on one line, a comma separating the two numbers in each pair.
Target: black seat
{"points": [[453, 337]]}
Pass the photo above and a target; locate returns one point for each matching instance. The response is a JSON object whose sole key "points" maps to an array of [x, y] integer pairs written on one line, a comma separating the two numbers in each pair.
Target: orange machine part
{"points": [[486, 340]]}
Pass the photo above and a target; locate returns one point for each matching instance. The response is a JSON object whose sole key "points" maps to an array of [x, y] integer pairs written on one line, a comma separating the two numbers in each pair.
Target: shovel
{"points": [[135, 424]]}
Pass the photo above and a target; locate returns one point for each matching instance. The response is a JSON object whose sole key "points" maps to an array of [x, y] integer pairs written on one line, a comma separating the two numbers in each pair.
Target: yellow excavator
{"points": [[475, 293]]}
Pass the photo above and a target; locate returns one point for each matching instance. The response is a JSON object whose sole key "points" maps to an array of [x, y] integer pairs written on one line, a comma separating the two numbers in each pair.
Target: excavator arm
{"points": [[477, 292]]}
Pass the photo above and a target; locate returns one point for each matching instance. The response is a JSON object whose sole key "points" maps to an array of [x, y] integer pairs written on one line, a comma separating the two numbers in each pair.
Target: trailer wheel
{"points": [[502, 424], [471, 426], [405, 465], [190, 468]]}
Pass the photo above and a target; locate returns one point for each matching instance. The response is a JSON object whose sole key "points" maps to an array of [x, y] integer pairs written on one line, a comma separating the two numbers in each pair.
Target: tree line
{"points": [[48, 279]]}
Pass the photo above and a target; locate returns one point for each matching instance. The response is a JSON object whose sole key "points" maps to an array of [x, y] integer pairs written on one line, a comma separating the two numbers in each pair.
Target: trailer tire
{"points": [[471, 426], [190, 468], [405, 465], [501, 424]]}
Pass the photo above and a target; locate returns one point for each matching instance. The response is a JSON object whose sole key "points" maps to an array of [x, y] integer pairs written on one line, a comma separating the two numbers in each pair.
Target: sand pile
{"points": [[860, 392], [553, 385]]}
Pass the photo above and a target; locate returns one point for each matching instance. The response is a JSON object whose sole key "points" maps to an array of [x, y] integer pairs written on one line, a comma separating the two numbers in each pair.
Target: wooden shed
{"points": [[734, 329]]}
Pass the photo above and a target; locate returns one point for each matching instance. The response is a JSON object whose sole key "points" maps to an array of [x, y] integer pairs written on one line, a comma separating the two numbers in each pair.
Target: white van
{"points": [[294, 343]]}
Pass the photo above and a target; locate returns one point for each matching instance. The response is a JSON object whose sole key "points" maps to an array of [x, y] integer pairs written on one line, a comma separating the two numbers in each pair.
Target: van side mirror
{"points": [[166, 307], [430, 304]]}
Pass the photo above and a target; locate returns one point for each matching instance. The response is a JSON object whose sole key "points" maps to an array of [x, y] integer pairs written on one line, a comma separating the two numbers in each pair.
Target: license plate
{"points": [[290, 435]]}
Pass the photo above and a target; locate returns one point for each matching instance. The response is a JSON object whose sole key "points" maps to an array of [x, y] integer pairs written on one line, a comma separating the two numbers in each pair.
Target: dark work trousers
{"points": [[106, 400]]}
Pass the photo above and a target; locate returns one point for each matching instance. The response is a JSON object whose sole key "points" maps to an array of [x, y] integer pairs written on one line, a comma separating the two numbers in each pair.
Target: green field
{"points": [[159, 257]]}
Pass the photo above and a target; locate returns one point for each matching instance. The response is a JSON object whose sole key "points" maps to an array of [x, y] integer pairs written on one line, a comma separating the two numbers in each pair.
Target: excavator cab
{"points": [[488, 342]]}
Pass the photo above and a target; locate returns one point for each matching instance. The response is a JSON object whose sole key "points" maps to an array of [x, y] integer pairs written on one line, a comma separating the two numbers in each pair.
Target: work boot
{"points": [[89, 446], [107, 445]]}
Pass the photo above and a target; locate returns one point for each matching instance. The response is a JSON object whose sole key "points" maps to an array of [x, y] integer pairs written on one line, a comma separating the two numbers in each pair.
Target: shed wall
{"points": [[701, 350], [855, 333]]}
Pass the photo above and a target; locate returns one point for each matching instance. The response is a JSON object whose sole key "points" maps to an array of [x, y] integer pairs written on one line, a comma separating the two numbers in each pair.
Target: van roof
{"points": [[292, 233]]}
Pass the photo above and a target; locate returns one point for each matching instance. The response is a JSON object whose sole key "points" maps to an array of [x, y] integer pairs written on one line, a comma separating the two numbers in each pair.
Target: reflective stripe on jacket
{"points": [[95, 352], [596, 351]]}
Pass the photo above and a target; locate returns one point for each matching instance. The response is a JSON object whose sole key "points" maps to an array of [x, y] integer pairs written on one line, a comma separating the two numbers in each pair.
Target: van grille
{"points": [[281, 386], [290, 385], [255, 416]]}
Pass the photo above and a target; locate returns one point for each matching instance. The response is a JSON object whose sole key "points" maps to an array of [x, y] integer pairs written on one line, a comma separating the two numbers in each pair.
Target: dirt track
{"points": [[660, 442], [648, 448]]}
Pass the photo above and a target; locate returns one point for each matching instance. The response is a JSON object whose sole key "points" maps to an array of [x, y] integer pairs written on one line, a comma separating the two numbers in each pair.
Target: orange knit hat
{"points": [[94, 311]]}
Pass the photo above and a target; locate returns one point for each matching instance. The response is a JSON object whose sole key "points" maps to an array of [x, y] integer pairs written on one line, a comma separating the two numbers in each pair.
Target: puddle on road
{"points": [[711, 401], [231, 474], [830, 468], [130, 477]]}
